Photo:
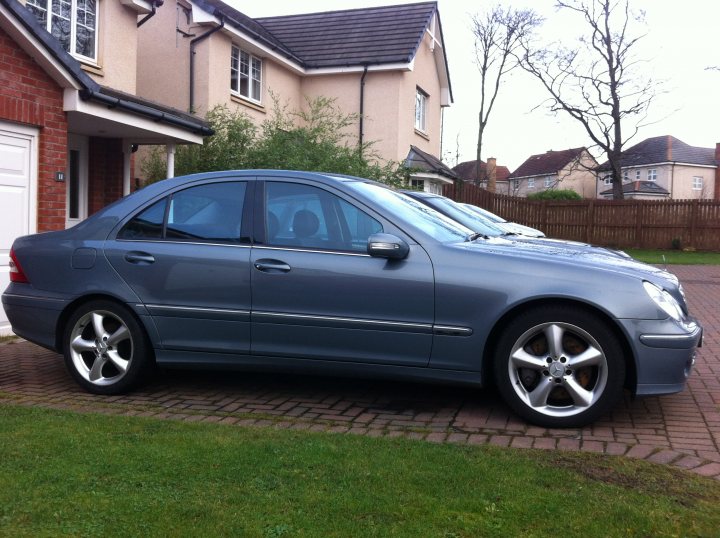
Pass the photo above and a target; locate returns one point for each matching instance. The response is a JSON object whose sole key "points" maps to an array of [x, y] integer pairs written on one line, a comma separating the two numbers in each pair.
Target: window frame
{"points": [[421, 100], [236, 57], [652, 174], [548, 182], [531, 183], [35, 9], [698, 183]]}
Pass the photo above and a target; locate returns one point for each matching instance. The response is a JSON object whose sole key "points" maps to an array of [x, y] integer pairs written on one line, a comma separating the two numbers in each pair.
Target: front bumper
{"points": [[664, 353]]}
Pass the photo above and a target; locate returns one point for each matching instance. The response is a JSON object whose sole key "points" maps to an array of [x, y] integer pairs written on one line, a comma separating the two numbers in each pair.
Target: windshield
{"points": [[416, 214], [485, 213], [467, 218]]}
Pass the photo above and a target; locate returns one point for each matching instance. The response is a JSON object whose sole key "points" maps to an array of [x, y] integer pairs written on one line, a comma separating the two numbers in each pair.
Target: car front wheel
{"points": [[559, 367], [106, 350]]}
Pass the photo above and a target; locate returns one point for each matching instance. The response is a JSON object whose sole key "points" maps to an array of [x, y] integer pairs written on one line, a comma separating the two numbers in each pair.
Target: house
{"points": [[665, 167], [572, 169], [386, 64], [468, 171], [427, 172], [69, 119]]}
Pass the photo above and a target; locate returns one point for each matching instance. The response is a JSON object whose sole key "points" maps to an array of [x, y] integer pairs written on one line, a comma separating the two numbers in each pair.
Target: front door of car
{"points": [[318, 294], [185, 258]]}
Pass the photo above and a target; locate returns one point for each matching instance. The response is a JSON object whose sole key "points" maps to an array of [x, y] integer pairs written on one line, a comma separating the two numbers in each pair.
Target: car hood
{"points": [[553, 251], [567, 244]]}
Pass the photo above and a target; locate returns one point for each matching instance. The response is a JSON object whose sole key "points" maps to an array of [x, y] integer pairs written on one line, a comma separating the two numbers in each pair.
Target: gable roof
{"points": [[366, 36], [663, 149], [640, 187], [550, 162], [467, 171], [66, 70], [422, 160]]}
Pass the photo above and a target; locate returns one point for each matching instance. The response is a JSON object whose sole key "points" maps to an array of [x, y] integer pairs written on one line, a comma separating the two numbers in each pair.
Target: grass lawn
{"points": [[675, 257], [69, 474]]}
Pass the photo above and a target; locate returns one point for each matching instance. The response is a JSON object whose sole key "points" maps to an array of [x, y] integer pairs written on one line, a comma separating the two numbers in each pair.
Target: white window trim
{"points": [[251, 58], [421, 98], [73, 29], [531, 183], [697, 183], [652, 174]]}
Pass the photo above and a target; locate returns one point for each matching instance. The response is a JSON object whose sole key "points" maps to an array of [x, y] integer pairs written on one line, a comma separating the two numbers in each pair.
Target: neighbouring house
{"points": [[665, 167], [468, 171], [386, 64], [572, 169], [427, 172], [69, 119]]}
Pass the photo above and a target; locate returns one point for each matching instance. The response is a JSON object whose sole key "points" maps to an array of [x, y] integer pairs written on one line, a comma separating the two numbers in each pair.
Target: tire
{"points": [[106, 349], [559, 367]]}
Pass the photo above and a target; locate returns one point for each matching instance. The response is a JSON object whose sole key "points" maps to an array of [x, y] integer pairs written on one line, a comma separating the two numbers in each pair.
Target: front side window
{"points": [[72, 22], [531, 183], [417, 184], [245, 74], [697, 183], [298, 215], [210, 212], [420, 110], [652, 174]]}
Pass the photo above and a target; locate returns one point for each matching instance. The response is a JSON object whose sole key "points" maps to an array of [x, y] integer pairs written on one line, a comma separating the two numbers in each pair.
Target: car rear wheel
{"points": [[559, 367], [106, 350]]}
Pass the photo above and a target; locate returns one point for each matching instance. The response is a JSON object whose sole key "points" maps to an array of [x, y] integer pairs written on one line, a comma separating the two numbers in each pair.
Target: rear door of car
{"points": [[187, 257], [317, 294]]}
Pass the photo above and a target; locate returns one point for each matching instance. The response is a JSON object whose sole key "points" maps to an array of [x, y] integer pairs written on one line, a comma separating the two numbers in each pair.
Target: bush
{"points": [[559, 194], [315, 140]]}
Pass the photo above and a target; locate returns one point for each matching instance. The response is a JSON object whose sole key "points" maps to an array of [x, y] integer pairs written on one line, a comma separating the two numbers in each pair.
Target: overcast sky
{"points": [[681, 42]]}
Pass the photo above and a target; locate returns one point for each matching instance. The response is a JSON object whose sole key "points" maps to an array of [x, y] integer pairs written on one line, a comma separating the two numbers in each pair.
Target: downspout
{"points": [[155, 4], [362, 106], [193, 44]]}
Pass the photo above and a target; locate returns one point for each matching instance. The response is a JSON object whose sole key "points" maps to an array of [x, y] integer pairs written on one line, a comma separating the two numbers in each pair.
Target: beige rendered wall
{"points": [[579, 177], [118, 46], [163, 57], [682, 182]]}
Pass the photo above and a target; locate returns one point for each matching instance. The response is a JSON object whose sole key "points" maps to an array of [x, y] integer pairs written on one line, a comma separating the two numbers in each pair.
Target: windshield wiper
{"points": [[477, 235]]}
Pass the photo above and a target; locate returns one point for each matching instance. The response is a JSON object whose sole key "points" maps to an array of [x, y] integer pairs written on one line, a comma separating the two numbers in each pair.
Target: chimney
{"points": [[491, 169], [717, 171]]}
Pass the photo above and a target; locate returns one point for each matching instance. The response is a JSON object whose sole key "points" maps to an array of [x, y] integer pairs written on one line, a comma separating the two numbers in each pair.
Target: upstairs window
{"points": [[531, 183], [549, 182], [245, 74], [697, 183], [637, 175], [421, 110], [652, 174], [72, 22]]}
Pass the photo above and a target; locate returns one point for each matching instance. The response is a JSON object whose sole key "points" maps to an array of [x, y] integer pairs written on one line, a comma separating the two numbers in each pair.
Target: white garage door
{"points": [[18, 173]]}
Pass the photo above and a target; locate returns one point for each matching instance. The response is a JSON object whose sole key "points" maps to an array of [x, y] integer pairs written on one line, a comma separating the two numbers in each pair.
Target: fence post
{"points": [[693, 222]]}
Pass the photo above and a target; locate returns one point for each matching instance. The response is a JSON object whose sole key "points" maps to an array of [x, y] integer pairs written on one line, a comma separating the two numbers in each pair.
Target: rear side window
{"points": [[210, 212]]}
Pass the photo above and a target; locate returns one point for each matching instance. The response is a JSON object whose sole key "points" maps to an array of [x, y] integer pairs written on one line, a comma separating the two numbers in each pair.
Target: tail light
{"points": [[16, 272]]}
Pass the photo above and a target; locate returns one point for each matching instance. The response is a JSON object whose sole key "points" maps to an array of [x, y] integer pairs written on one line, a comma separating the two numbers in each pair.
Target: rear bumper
{"points": [[33, 316], [665, 352]]}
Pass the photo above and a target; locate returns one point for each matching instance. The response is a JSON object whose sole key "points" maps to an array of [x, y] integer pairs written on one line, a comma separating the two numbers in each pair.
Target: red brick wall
{"points": [[28, 95], [105, 165]]}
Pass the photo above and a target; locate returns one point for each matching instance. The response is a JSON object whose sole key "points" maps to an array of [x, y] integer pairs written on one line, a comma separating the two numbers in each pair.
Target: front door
{"points": [[316, 292], [18, 172]]}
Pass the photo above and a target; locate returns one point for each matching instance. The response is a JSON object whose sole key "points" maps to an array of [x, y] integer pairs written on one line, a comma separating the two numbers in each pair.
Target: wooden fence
{"points": [[612, 223]]}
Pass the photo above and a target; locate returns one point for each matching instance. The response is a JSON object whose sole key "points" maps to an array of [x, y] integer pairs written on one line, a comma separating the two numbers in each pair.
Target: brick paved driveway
{"points": [[682, 429]]}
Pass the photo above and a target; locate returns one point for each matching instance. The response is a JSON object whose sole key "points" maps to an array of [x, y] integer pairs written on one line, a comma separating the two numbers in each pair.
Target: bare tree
{"points": [[499, 34], [598, 82]]}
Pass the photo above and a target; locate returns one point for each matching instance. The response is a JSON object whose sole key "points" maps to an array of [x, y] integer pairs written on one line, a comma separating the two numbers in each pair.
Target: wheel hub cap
{"points": [[557, 370]]}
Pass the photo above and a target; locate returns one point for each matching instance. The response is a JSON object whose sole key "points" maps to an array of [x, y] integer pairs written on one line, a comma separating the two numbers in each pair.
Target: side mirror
{"points": [[387, 246]]}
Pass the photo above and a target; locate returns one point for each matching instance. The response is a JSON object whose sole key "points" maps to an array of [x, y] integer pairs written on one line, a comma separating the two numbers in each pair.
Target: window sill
{"points": [[94, 69], [246, 102], [422, 134]]}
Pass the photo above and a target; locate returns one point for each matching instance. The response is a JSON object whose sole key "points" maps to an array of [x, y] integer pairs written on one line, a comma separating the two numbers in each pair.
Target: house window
{"points": [[421, 110], [637, 175], [548, 182], [608, 180], [652, 174], [417, 184], [697, 183], [626, 175], [72, 22], [531, 183], [245, 74]]}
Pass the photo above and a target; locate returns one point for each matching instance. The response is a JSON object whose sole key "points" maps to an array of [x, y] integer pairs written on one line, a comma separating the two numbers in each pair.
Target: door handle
{"points": [[139, 258], [272, 266]]}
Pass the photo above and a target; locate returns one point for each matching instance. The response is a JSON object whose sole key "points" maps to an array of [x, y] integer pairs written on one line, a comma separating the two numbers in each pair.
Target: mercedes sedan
{"points": [[317, 273]]}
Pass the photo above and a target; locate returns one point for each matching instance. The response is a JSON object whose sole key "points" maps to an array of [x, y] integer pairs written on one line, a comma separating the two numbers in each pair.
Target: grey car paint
{"points": [[432, 315]]}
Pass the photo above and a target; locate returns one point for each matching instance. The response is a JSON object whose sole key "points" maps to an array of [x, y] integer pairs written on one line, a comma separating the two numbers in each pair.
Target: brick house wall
{"points": [[29, 96]]}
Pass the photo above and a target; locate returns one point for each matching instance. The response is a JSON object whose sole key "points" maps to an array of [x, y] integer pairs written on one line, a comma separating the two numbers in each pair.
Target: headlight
{"points": [[664, 300]]}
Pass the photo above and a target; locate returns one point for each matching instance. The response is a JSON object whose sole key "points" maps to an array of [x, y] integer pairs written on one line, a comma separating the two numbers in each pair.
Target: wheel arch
{"points": [[494, 336]]}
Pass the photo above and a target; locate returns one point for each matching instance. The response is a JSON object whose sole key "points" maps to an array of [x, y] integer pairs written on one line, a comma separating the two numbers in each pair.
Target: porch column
{"points": [[170, 148], [127, 153]]}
